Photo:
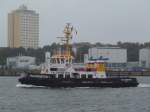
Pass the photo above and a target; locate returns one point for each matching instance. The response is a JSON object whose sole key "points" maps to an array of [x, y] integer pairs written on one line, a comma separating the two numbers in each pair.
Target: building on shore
{"points": [[23, 28], [116, 56], [20, 62], [144, 57]]}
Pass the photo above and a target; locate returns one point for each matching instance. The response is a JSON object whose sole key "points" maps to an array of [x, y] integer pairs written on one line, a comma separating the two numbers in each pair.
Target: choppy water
{"points": [[33, 99]]}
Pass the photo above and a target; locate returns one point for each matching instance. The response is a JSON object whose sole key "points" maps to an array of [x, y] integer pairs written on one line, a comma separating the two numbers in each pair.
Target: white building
{"points": [[117, 57], [144, 57], [20, 62], [23, 28]]}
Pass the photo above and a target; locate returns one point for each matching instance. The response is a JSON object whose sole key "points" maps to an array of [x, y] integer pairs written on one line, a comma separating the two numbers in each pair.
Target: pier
{"points": [[128, 73]]}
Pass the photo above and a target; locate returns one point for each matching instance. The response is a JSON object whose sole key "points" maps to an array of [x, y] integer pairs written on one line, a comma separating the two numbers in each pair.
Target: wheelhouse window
{"points": [[90, 76], [89, 69], [75, 75], [53, 69], [67, 76], [60, 76], [62, 61], [67, 61], [52, 76], [83, 76]]}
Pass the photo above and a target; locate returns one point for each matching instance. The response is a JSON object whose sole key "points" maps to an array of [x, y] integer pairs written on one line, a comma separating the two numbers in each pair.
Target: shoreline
{"points": [[109, 73]]}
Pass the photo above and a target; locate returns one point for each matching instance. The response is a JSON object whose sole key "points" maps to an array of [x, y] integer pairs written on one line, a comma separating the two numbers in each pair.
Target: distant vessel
{"points": [[59, 72]]}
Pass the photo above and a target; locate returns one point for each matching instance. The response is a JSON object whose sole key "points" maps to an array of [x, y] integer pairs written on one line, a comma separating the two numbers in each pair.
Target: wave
{"points": [[146, 85], [28, 86]]}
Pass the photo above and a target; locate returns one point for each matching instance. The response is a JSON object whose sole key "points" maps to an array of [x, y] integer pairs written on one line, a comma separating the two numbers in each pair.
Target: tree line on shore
{"points": [[82, 48]]}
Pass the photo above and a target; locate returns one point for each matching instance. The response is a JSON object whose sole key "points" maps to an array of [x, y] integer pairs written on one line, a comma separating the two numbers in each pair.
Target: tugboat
{"points": [[59, 71]]}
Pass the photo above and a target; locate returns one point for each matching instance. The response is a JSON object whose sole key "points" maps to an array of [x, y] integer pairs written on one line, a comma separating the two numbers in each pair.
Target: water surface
{"points": [[33, 99]]}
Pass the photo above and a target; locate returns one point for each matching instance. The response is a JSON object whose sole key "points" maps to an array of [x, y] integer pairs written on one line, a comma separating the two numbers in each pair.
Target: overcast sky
{"points": [[106, 21]]}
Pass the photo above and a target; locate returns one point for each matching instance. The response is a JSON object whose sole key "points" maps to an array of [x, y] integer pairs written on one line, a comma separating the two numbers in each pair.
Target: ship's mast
{"points": [[69, 30]]}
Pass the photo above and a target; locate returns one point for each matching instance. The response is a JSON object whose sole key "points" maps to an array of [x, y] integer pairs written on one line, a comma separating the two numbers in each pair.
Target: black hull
{"points": [[56, 83]]}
